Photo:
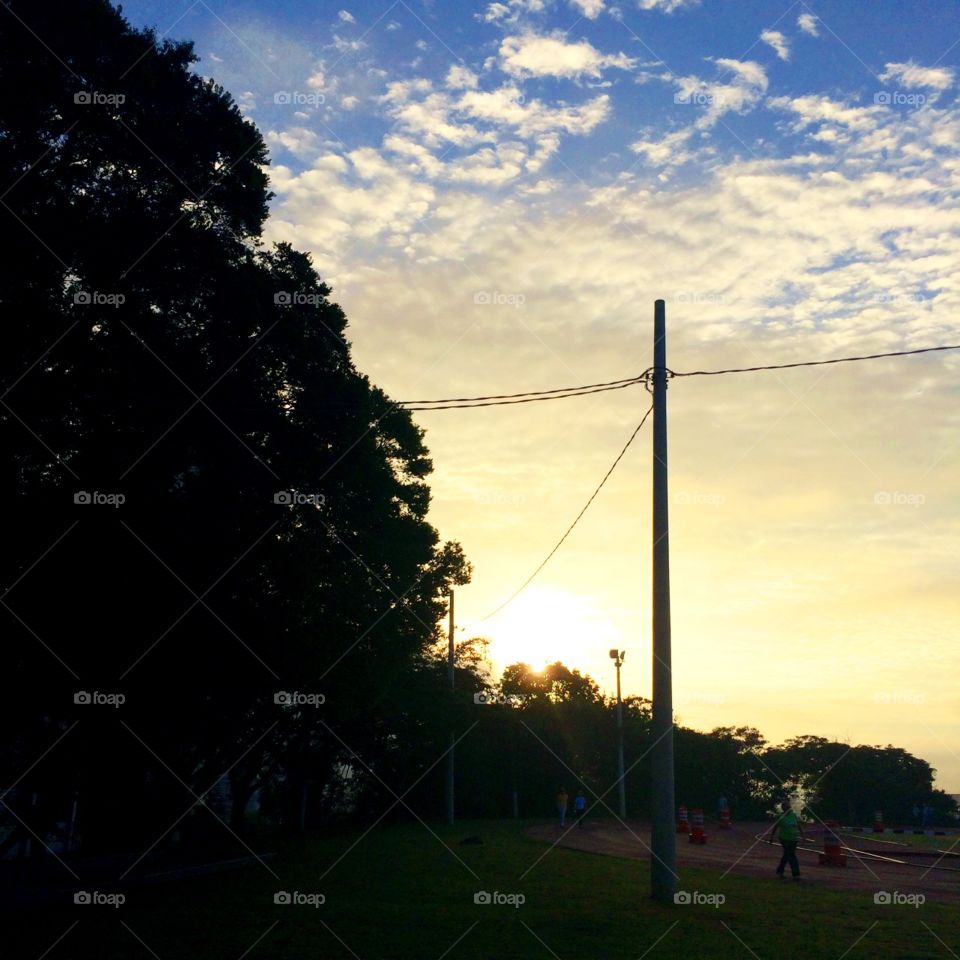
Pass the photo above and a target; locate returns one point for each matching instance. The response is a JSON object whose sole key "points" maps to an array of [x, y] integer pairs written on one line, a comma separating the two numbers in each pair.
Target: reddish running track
{"points": [[738, 852]]}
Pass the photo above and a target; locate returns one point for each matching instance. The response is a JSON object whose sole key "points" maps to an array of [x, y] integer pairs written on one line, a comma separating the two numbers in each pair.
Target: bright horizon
{"points": [[497, 194]]}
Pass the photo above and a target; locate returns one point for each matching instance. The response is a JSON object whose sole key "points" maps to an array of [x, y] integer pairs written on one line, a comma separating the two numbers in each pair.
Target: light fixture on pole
{"points": [[617, 656]]}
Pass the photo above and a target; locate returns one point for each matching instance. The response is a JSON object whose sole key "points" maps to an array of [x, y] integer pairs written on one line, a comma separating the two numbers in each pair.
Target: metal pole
{"points": [[452, 736], [663, 874], [622, 790]]}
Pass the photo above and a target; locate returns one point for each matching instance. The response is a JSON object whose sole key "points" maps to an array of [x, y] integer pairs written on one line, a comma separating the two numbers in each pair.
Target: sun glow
{"points": [[544, 625]]}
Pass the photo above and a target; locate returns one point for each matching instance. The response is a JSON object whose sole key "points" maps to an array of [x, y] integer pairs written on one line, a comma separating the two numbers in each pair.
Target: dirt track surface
{"points": [[738, 852]]}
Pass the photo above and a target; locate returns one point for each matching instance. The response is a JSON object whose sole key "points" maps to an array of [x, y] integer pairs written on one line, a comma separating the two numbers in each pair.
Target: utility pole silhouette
{"points": [[452, 733], [663, 874]]}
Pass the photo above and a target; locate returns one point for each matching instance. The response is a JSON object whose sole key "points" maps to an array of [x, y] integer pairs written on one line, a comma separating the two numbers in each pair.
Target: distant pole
{"points": [[663, 838], [622, 789], [452, 738]]}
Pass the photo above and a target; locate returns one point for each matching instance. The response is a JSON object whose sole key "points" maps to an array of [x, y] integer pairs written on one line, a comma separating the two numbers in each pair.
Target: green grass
{"points": [[400, 893]]}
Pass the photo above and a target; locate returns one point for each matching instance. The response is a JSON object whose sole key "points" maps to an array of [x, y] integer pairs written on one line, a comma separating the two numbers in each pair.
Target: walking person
{"points": [[562, 805], [789, 829], [580, 805]]}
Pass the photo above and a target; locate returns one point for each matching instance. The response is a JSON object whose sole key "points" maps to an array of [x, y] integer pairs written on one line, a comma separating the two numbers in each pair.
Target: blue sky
{"points": [[787, 177]]}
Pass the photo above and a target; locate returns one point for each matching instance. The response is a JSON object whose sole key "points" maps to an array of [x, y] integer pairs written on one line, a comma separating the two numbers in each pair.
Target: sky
{"points": [[498, 192]]}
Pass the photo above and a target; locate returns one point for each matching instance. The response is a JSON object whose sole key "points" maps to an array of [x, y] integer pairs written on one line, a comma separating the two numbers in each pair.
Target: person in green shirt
{"points": [[790, 831]]}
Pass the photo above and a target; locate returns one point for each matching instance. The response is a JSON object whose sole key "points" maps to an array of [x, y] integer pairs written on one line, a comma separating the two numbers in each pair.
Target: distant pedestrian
{"points": [[789, 829], [722, 805], [580, 805], [562, 805], [927, 815]]}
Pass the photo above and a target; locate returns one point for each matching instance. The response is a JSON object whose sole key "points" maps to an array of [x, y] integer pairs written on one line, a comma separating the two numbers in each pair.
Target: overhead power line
{"points": [[814, 363], [464, 403], [593, 495], [560, 393]]}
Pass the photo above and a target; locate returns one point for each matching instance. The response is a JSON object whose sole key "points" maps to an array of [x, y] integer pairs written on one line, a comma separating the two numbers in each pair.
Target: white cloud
{"points": [[591, 9], [778, 41], [807, 22], [348, 103], [460, 78], [666, 6], [530, 54], [346, 16], [346, 46], [912, 75], [299, 141]]}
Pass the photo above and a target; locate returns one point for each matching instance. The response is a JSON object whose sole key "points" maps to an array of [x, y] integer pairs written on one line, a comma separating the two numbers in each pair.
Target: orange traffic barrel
{"points": [[832, 855], [877, 822], [696, 827], [683, 823], [724, 818]]}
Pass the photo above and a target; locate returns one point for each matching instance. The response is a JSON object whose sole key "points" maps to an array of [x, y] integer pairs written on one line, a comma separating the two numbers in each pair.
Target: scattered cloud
{"points": [[807, 22], [778, 41], [912, 75], [534, 55], [346, 16], [591, 9]]}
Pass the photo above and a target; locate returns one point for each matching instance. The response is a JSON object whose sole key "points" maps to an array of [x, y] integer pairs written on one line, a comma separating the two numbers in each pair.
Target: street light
{"points": [[618, 656]]}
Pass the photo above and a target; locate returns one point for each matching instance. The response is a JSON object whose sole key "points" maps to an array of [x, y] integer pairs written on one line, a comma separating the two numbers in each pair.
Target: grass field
{"points": [[399, 892]]}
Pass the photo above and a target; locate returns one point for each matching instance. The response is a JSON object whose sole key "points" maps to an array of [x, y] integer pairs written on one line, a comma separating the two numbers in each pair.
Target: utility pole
{"points": [[452, 737], [617, 656], [663, 874]]}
